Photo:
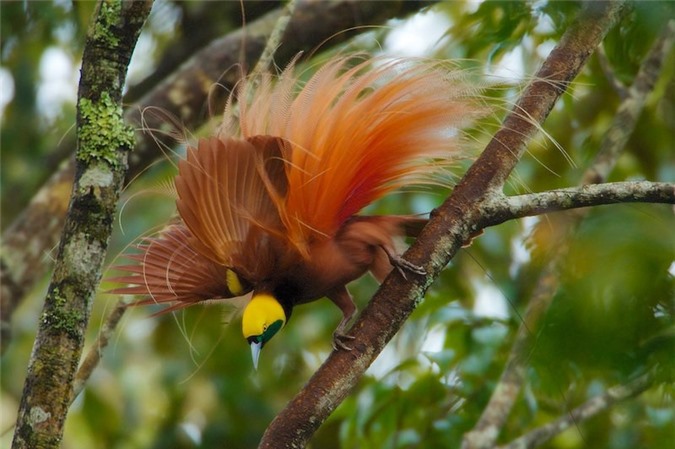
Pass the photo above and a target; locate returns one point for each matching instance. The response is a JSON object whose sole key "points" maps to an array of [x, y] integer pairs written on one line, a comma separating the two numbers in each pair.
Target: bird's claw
{"points": [[339, 344], [403, 265]]}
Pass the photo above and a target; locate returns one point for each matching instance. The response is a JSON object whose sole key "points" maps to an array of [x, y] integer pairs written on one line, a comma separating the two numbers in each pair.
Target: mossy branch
{"points": [[103, 142]]}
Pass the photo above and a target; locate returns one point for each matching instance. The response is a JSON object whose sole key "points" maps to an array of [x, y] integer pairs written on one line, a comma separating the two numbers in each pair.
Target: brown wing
{"points": [[229, 191], [169, 271]]}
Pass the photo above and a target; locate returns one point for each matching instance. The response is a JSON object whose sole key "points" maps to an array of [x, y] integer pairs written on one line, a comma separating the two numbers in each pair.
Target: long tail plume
{"points": [[358, 130]]}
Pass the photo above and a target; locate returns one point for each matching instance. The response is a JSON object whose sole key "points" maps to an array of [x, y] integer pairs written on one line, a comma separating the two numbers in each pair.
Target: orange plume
{"points": [[356, 133]]}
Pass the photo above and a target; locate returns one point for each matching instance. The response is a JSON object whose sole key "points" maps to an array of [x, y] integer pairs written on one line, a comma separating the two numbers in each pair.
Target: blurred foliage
{"points": [[28, 30], [186, 380]]}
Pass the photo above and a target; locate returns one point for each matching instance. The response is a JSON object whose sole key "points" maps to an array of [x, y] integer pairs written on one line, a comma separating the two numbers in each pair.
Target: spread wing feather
{"points": [[229, 195], [170, 271]]}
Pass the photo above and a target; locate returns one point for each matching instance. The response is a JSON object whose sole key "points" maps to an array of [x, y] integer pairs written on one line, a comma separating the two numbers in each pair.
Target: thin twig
{"points": [[519, 206], [95, 354], [606, 67], [630, 109], [587, 410], [265, 61]]}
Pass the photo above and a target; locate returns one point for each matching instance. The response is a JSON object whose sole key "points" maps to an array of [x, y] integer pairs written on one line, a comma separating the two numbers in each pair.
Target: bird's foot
{"points": [[339, 334], [338, 343], [341, 298], [403, 265]]}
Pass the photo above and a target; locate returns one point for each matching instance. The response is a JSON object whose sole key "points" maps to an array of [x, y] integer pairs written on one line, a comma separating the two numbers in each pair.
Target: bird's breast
{"points": [[330, 265]]}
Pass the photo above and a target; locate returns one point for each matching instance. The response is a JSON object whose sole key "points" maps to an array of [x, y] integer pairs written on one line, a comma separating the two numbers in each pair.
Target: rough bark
{"points": [[448, 228], [182, 99], [103, 142]]}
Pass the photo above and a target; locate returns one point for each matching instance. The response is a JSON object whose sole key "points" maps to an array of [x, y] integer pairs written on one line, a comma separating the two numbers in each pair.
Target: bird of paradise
{"points": [[268, 206]]}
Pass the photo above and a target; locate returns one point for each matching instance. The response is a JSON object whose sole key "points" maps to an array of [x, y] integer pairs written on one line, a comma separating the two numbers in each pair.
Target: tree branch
{"points": [[96, 351], [26, 244], [487, 428], [617, 85], [510, 208], [200, 23], [583, 412], [182, 96], [448, 228], [101, 160]]}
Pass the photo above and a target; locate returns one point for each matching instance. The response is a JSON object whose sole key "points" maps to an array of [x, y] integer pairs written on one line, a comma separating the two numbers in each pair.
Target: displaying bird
{"points": [[267, 207]]}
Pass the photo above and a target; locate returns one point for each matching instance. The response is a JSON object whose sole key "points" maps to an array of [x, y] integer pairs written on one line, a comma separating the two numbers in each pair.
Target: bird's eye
{"points": [[270, 330]]}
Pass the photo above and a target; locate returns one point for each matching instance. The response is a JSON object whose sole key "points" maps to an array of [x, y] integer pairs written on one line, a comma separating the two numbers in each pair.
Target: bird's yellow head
{"points": [[263, 317]]}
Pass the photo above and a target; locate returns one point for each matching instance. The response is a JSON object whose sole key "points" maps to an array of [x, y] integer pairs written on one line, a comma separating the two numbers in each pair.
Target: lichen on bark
{"points": [[101, 124]]}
